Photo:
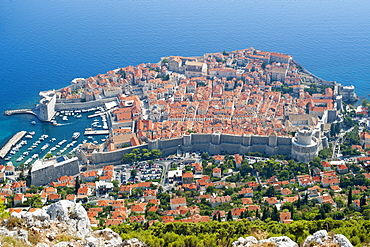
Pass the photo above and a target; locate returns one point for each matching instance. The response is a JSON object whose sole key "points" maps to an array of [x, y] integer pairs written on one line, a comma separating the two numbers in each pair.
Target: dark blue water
{"points": [[44, 44]]}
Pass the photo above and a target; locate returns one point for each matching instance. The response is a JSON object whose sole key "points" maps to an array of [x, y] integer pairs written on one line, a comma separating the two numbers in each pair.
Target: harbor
{"points": [[61, 136], [11, 143]]}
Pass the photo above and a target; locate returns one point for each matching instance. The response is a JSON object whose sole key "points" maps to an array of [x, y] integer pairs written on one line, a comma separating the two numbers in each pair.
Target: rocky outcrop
{"points": [[274, 241], [318, 239], [322, 238], [62, 224]]}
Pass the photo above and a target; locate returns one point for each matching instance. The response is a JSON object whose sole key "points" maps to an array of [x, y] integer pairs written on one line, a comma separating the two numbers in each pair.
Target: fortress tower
{"points": [[304, 145]]}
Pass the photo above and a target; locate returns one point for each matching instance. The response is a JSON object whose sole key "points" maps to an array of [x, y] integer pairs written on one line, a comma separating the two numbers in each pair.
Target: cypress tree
{"points": [[275, 214], [229, 216], [214, 217], [77, 184], [219, 217], [349, 203], [362, 201]]}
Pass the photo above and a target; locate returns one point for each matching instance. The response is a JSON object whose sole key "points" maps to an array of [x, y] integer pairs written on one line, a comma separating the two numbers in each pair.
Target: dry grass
{"points": [[13, 222], [258, 234], [64, 237], [6, 241]]}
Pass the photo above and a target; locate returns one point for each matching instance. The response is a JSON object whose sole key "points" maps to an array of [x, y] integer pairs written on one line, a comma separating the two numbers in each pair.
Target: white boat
{"points": [[79, 116], [76, 135], [65, 118], [28, 161], [45, 147], [28, 136], [53, 149], [53, 139], [7, 158], [35, 156], [33, 122], [32, 133], [26, 153], [20, 158]]}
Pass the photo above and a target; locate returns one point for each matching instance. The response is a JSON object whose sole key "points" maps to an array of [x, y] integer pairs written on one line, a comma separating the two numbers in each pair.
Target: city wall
{"points": [[82, 105], [113, 157], [213, 144]]}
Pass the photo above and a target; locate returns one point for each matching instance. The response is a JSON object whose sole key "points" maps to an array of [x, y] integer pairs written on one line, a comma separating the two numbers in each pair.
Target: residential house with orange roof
{"points": [[342, 169], [218, 200], [18, 199], [246, 192], [187, 178], [19, 187], [286, 217], [177, 202], [216, 172]]}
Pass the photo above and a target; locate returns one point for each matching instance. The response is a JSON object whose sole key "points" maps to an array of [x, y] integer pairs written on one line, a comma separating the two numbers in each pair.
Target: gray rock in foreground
{"points": [[318, 239]]}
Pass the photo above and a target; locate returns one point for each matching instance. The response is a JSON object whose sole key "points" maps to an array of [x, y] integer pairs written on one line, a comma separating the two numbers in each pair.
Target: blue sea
{"points": [[44, 44]]}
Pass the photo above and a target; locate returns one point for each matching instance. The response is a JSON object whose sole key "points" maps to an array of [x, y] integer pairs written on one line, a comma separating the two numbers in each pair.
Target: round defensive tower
{"points": [[304, 145]]}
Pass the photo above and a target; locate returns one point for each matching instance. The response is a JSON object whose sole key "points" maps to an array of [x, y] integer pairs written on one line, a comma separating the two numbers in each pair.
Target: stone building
{"points": [[47, 105], [46, 171], [305, 146]]}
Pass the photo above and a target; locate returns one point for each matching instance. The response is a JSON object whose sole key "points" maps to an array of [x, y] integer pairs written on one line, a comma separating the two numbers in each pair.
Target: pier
{"points": [[96, 132], [5, 150], [20, 111]]}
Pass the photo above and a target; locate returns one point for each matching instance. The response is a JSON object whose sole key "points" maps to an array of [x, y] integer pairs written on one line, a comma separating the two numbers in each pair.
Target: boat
{"points": [[7, 158], [35, 156], [65, 118], [45, 147], [79, 116], [20, 158], [32, 133], [53, 139], [76, 135], [26, 153], [28, 136], [33, 122], [28, 161]]}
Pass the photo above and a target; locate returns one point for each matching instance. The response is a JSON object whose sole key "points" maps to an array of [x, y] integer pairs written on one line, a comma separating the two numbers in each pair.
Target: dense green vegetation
{"points": [[138, 154], [215, 233]]}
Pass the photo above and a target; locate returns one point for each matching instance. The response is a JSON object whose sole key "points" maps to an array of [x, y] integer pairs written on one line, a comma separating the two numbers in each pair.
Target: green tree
{"points": [[133, 173], [229, 216], [35, 201], [349, 201], [48, 156], [77, 184]]}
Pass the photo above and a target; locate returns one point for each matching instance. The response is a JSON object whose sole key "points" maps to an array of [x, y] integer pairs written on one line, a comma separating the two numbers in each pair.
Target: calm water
{"points": [[44, 44]]}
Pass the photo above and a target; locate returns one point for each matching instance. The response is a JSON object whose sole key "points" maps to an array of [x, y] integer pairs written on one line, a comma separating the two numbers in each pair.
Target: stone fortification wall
{"points": [[82, 105], [51, 173], [114, 157], [215, 143]]}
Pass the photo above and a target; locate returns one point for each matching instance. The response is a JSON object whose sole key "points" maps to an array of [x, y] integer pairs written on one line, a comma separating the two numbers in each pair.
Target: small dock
{"points": [[96, 132], [20, 111], [97, 114], [5, 150]]}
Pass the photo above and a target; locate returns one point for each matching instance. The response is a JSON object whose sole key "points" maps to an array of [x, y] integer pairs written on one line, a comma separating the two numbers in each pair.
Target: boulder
{"points": [[282, 241], [322, 238], [71, 214]]}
